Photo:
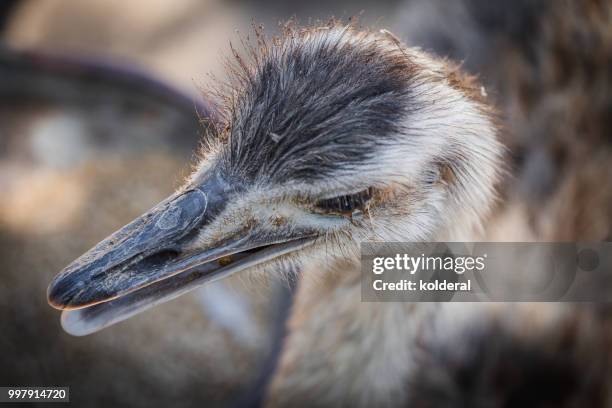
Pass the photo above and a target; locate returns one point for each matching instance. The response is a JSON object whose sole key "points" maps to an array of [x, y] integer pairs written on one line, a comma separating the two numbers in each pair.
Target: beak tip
{"points": [[63, 293], [72, 324], [55, 296]]}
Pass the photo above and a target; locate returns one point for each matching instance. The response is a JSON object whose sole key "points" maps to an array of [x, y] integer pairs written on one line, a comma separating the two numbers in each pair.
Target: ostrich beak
{"points": [[148, 262]]}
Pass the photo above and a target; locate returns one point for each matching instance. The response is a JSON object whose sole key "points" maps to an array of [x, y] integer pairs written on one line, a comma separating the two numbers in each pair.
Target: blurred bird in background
{"points": [[545, 67]]}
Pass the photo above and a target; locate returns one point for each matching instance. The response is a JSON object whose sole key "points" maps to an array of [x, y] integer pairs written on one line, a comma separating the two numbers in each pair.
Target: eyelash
{"points": [[345, 204]]}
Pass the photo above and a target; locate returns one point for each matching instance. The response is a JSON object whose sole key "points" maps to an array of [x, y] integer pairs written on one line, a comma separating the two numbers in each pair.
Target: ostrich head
{"points": [[329, 136]]}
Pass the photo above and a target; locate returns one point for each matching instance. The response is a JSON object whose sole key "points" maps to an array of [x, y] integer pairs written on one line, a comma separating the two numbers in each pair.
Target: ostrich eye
{"points": [[345, 204]]}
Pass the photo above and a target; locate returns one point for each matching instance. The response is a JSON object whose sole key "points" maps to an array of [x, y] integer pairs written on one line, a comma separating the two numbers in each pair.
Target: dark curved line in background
{"points": [[255, 395], [38, 64], [7, 7]]}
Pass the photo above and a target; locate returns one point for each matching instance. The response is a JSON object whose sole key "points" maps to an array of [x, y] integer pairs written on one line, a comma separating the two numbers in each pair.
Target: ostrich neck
{"points": [[342, 349]]}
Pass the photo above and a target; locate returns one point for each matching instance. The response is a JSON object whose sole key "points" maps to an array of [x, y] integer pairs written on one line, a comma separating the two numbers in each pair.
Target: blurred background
{"points": [[101, 109]]}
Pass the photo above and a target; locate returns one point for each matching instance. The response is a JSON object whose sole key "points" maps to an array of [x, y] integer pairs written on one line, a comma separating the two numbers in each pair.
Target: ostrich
{"points": [[329, 136]]}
